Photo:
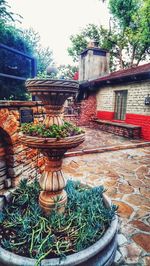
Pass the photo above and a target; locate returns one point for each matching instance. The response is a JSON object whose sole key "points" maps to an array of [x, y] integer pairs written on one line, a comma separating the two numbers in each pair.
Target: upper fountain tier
{"points": [[53, 94]]}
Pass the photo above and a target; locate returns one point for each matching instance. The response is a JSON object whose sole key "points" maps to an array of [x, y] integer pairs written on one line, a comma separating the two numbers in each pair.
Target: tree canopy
{"points": [[67, 71], [133, 21], [5, 14], [79, 41], [44, 55], [28, 42], [127, 38]]}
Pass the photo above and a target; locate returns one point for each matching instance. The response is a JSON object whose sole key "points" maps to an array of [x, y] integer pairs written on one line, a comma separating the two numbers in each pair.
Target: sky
{"points": [[57, 20]]}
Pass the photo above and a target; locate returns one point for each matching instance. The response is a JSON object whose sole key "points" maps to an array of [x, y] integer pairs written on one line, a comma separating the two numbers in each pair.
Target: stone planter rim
{"points": [[51, 139], [52, 142], [74, 259], [52, 83], [49, 79]]}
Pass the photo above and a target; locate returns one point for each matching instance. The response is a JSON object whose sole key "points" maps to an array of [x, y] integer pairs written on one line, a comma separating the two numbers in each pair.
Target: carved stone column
{"points": [[52, 182]]}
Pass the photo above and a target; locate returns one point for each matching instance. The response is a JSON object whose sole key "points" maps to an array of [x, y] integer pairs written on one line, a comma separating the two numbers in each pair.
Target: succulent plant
{"points": [[54, 131]]}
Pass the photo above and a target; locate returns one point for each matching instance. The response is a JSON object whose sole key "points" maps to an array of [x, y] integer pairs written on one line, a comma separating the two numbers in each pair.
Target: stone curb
{"points": [[107, 149]]}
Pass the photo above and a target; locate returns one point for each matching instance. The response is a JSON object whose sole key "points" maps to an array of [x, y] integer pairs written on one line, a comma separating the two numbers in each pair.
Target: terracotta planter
{"points": [[101, 253]]}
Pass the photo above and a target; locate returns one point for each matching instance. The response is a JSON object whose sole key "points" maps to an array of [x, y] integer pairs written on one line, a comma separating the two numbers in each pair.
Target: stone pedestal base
{"points": [[53, 200]]}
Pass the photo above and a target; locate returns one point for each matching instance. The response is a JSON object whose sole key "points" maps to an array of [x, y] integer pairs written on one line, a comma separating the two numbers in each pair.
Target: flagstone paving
{"points": [[126, 176], [95, 138]]}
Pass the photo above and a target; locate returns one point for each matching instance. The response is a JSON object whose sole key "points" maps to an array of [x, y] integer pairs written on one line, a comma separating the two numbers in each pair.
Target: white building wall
{"points": [[135, 99]]}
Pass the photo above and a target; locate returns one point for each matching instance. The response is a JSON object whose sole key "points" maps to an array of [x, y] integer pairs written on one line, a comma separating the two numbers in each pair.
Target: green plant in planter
{"points": [[25, 230], [54, 131], [45, 75]]}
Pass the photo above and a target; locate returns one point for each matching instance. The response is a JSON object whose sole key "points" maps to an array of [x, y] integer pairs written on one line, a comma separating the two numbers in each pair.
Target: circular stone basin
{"points": [[52, 85], [52, 143], [101, 253]]}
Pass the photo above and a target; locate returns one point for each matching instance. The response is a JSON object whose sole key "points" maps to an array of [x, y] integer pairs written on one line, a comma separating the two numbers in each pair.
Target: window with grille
{"points": [[120, 104]]}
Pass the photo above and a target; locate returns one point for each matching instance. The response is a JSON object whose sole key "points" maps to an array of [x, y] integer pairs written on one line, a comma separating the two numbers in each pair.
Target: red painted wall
{"points": [[105, 115], [134, 119], [140, 120], [76, 76]]}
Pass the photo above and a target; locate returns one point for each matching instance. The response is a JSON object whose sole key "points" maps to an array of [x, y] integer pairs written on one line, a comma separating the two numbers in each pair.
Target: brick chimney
{"points": [[93, 63]]}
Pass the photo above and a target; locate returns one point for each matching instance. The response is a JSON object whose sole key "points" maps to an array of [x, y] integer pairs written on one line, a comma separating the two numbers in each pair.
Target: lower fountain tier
{"points": [[52, 181], [52, 143]]}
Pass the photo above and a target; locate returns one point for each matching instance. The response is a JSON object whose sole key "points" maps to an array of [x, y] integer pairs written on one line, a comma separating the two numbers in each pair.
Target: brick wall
{"points": [[137, 113], [105, 99], [135, 99], [87, 111], [73, 119], [16, 160]]}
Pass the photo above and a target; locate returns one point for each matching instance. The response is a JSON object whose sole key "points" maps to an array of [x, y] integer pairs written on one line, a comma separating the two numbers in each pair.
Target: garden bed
{"points": [[26, 231]]}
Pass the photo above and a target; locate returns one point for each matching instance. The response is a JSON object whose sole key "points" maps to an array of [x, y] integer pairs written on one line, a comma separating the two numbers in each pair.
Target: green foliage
{"points": [[66, 71], [127, 39], [53, 131], [63, 72], [44, 75], [124, 11], [10, 63], [27, 42], [78, 44], [44, 55], [25, 230], [133, 20], [5, 13], [79, 41], [13, 64]]}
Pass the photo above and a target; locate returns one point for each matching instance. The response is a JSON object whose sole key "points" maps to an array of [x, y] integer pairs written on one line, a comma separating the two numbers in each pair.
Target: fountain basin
{"points": [[53, 143]]}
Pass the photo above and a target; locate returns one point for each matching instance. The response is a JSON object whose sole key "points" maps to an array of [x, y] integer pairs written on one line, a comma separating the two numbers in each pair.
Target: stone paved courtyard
{"points": [[125, 174], [95, 138]]}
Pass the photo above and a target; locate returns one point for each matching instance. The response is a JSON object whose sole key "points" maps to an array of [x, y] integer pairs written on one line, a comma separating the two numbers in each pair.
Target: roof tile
{"points": [[125, 72]]}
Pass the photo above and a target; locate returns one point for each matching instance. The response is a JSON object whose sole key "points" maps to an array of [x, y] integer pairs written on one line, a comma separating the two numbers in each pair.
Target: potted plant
{"points": [[85, 234]]}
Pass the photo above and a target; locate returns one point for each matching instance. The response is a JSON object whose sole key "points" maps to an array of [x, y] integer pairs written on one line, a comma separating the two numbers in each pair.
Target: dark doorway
{"points": [[120, 104], [6, 157]]}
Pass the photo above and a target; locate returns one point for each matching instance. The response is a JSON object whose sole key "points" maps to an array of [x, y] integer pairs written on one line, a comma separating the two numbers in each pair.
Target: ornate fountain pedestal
{"points": [[52, 181], [53, 94]]}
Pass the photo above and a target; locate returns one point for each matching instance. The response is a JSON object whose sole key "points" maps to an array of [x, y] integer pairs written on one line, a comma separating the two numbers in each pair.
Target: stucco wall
{"points": [[93, 66]]}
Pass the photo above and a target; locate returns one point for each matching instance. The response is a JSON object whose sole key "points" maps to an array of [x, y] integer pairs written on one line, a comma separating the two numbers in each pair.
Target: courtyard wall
{"points": [[137, 113], [17, 161]]}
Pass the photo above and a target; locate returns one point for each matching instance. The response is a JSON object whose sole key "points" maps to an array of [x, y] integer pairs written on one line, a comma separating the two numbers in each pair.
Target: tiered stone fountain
{"points": [[53, 94]]}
